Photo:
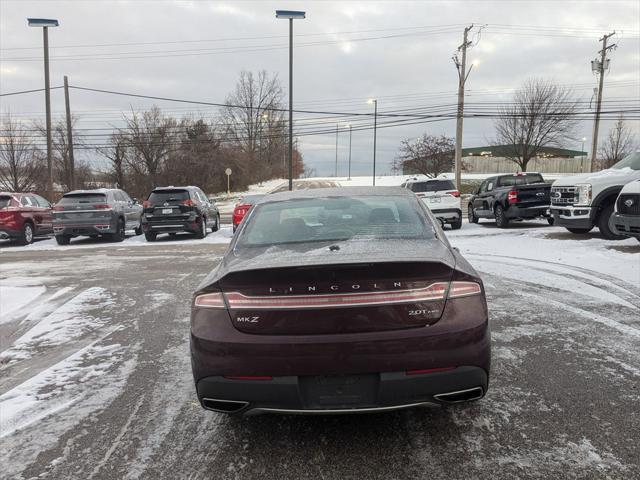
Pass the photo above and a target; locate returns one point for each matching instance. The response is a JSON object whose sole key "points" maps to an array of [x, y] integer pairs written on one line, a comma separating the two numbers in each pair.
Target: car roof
{"points": [[336, 192], [176, 187], [417, 180], [94, 190]]}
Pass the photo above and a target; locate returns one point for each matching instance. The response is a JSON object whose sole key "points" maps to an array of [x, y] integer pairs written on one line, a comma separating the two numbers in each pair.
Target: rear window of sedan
{"points": [[520, 180], [83, 198], [162, 196], [336, 219], [432, 186]]}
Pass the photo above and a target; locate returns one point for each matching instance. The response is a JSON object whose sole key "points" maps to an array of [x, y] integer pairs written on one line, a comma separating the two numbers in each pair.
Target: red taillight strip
{"points": [[210, 300], [464, 289], [435, 291]]}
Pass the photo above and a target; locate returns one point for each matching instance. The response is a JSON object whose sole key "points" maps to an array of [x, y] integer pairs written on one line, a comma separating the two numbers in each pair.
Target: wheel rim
{"points": [[28, 233], [499, 215]]}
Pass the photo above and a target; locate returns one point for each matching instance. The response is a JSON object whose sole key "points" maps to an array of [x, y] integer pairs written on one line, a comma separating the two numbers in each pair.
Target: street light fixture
{"points": [[290, 15], [374, 101], [45, 23]]}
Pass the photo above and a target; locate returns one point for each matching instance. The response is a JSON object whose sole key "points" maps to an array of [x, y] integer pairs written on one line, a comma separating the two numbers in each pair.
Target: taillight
{"points": [[189, 203], [464, 289], [210, 300], [146, 204], [101, 206], [454, 193], [512, 197]]}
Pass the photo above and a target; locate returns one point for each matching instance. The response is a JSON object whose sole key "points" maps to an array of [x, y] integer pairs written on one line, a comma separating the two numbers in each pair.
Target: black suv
{"points": [[178, 209]]}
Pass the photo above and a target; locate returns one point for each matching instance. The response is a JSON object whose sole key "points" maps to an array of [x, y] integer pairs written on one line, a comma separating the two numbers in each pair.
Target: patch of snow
{"points": [[14, 298]]}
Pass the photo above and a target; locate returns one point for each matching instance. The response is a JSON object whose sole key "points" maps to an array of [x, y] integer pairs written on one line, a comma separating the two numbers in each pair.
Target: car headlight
{"points": [[584, 194]]}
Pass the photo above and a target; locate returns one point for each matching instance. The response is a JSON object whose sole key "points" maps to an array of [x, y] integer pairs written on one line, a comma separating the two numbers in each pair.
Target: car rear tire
{"points": [[119, 235], [471, 215], [579, 231], [550, 220], [138, 230], [603, 224], [501, 220], [26, 235], [150, 237], [203, 228], [457, 225], [63, 239]]}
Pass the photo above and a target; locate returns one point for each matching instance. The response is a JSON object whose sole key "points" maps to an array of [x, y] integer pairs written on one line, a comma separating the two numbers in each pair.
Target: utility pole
{"points": [[461, 66], [335, 174], [47, 100], [72, 165], [599, 67], [349, 176], [375, 131]]}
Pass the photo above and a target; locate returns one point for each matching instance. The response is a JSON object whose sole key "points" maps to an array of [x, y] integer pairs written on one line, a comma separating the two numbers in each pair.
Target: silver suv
{"points": [[94, 213]]}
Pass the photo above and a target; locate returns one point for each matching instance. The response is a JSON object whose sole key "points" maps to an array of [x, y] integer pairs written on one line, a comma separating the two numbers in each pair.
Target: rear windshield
{"points": [[5, 201], [334, 219], [520, 180], [431, 186], [251, 199], [632, 162], [83, 198], [306, 185], [169, 196]]}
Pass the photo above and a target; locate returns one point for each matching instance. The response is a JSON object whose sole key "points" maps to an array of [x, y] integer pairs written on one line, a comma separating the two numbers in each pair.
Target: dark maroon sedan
{"points": [[339, 300]]}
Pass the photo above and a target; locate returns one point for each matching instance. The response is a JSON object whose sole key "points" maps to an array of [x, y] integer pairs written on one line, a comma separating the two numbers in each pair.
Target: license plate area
{"points": [[339, 391], [434, 199], [167, 211]]}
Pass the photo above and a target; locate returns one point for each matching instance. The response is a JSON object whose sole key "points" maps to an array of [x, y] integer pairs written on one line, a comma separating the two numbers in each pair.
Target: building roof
{"points": [[507, 150]]}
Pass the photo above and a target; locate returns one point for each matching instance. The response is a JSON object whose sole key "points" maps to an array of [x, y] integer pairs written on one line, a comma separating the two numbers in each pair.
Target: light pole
{"points": [[335, 173], [584, 139], [349, 177], [291, 16], [45, 23], [375, 128]]}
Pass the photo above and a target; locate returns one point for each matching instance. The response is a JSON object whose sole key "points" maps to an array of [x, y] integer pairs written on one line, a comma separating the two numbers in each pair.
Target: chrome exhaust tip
{"points": [[223, 406], [458, 396]]}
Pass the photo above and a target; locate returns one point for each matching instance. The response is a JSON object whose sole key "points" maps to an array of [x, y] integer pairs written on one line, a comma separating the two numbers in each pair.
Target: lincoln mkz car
{"points": [[339, 300]]}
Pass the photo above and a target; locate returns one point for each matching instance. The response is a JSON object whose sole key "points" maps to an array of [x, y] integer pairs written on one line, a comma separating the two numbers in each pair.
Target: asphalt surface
{"points": [[563, 401]]}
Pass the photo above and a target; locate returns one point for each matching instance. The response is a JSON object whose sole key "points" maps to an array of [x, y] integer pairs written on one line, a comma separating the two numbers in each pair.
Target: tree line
{"points": [[250, 136], [541, 115]]}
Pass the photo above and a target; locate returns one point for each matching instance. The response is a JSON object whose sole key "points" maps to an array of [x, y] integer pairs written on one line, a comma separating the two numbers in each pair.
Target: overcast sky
{"points": [[346, 52]]}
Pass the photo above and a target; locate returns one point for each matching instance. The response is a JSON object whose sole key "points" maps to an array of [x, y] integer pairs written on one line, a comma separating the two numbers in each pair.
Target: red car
{"points": [[24, 216], [242, 207]]}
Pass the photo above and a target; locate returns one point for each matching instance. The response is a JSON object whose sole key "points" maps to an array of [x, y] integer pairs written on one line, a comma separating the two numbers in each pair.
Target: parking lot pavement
{"points": [[96, 381]]}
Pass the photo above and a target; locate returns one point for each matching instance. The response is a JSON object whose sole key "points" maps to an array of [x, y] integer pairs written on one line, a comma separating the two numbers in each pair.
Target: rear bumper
{"points": [[75, 229], [171, 226], [341, 394], [447, 214], [625, 224], [515, 211], [6, 233]]}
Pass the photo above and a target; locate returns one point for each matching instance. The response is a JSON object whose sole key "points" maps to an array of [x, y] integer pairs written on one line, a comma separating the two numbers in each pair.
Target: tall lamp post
{"points": [[45, 23], [374, 101], [335, 173], [349, 175], [290, 15], [584, 139]]}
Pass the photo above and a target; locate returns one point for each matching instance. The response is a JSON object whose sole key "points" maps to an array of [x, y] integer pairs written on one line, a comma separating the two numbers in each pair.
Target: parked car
{"points": [[304, 184], [442, 198], [243, 207], [518, 196], [179, 209], [24, 216], [103, 212], [339, 300], [581, 202], [626, 215]]}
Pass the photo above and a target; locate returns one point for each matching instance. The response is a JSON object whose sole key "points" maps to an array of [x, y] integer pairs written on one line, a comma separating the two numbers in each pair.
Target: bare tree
{"points": [[115, 153], [429, 155], [22, 165], [541, 115], [619, 143]]}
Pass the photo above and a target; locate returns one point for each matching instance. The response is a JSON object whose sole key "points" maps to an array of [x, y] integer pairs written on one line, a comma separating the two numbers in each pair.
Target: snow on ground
{"points": [[221, 236], [14, 298]]}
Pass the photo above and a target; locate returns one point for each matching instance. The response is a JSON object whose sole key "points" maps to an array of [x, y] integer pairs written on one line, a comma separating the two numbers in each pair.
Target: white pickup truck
{"points": [[581, 202]]}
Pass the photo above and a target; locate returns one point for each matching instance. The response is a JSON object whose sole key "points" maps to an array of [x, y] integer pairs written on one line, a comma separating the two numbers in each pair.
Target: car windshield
{"points": [[162, 196], [5, 201], [432, 186], [632, 161], [335, 219], [83, 198]]}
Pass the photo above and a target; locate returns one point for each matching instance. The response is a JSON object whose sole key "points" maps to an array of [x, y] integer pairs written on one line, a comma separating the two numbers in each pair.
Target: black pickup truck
{"points": [[511, 197]]}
